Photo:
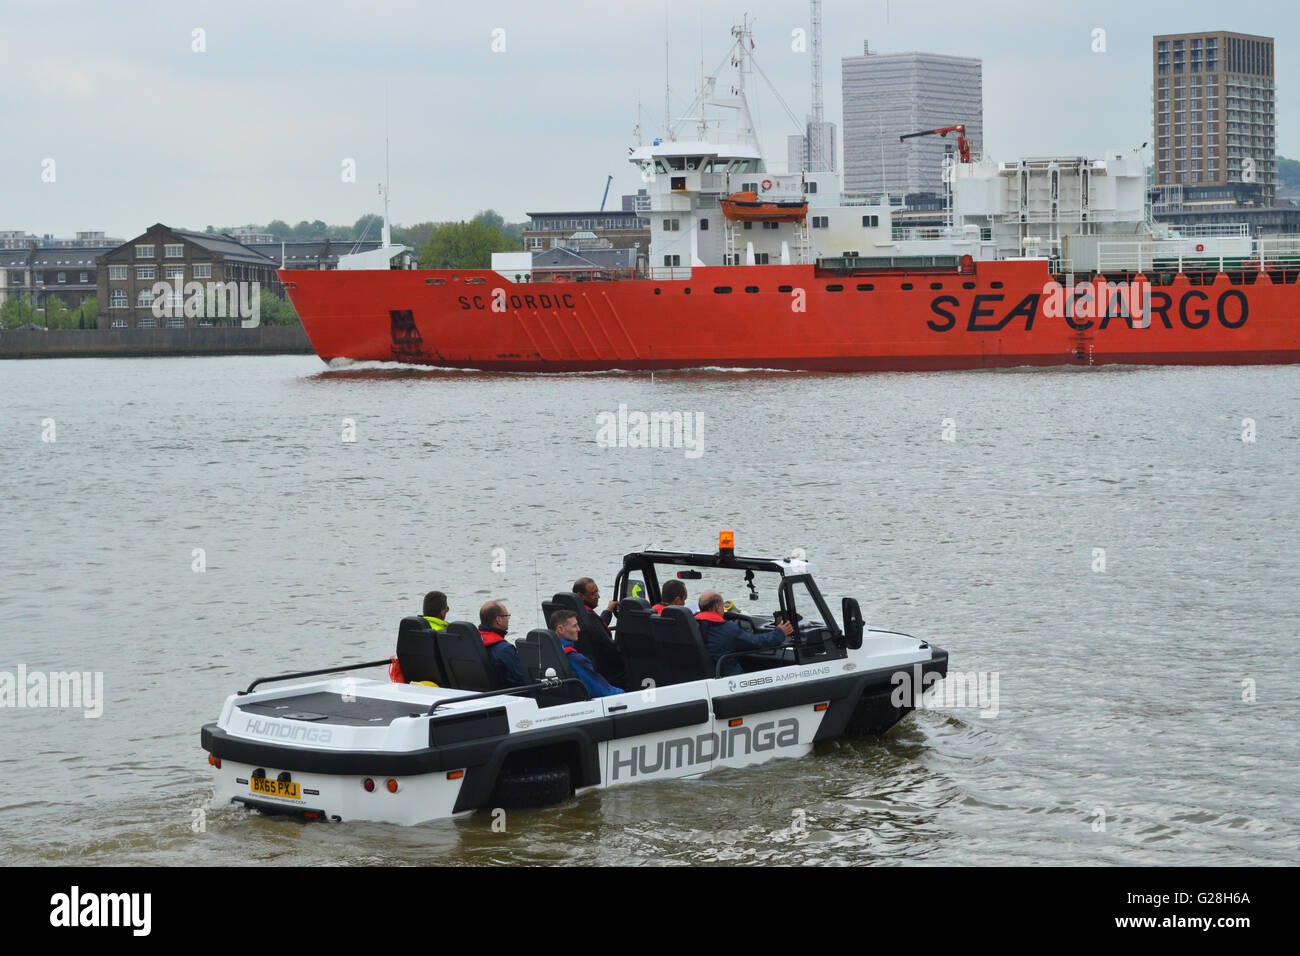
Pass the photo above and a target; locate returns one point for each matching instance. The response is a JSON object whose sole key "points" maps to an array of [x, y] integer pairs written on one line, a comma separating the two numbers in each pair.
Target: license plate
{"points": [[275, 788]]}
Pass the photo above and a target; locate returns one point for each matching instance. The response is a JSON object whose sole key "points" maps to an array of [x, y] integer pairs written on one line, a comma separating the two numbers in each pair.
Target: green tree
{"points": [[56, 311], [1288, 173], [280, 229], [463, 245], [88, 313], [369, 226], [274, 310], [490, 218], [413, 236], [17, 311]]}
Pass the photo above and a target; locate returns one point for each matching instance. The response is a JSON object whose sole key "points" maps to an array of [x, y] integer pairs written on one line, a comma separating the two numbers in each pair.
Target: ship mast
{"points": [[814, 161]]}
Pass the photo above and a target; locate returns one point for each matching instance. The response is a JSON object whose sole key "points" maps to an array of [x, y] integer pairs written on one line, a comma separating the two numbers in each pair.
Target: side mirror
{"points": [[853, 624]]}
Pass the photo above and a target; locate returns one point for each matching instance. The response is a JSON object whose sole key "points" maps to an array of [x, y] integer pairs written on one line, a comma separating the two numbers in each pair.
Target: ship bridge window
{"points": [[820, 222], [761, 259], [677, 162], [870, 221]]}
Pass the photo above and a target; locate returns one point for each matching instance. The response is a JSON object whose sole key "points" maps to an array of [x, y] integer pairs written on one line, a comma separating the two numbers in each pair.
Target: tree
{"points": [[463, 245], [280, 229], [1288, 173], [490, 218], [17, 311], [57, 315], [88, 313], [369, 226], [274, 310]]}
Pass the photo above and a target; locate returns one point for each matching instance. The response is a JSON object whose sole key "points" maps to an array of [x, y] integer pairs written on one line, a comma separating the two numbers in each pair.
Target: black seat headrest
{"points": [[417, 651], [633, 605], [569, 600]]}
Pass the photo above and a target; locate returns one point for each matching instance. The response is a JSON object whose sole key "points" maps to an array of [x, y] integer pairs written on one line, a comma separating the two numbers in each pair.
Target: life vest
{"points": [[658, 608], [395, 672], [490, 637], [437, 623], [706, 619]]}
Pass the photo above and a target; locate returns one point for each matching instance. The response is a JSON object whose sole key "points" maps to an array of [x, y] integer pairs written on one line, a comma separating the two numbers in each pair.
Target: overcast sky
{"points": [[143, 129]]}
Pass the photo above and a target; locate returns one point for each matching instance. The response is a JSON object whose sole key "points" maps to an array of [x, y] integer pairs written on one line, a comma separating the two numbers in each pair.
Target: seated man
{"points": [[595, 640], [672, 594], [722, 636], [435, 610], [494, 621], [565, 625]]}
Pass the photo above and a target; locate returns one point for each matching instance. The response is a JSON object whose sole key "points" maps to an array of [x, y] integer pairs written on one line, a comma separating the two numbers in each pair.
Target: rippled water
{"points": [[1121, 691]]}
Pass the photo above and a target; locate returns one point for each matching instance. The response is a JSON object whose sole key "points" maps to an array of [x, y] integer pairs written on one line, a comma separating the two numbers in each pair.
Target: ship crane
{"points": [[963, 144]]}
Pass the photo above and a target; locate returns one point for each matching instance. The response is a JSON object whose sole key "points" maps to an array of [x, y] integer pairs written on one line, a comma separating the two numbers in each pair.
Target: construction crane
{"points": [[963, 145], [606, 196]]}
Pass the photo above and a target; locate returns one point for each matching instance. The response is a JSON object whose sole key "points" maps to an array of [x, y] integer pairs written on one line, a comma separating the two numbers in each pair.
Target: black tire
{"points": [[537, 787]]}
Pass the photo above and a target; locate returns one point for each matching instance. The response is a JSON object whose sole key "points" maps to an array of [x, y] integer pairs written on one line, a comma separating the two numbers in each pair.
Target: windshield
{"points": [[751, 592]]}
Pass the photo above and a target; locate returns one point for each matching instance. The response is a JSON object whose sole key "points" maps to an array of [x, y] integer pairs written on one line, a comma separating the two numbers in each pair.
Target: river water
{"points": [[1109, 543]]}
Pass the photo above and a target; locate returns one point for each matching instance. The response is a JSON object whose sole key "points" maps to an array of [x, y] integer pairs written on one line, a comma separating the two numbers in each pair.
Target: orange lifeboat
{"points": [[747, 207]]}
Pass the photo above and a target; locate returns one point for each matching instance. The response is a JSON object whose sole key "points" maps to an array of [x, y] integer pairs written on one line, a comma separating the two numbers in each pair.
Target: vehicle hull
{"points": [[995, 315]]}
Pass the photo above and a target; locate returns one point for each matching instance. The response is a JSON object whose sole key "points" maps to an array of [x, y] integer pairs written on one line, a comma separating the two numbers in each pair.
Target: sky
{"points": [[119, 115]]}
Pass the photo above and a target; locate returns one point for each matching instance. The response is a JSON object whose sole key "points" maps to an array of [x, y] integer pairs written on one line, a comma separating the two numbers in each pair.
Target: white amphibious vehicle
{"points": [[344, 748]]}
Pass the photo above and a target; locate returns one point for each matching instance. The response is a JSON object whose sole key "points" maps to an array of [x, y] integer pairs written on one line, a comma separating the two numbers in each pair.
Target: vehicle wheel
{"points": [[536, 787]]}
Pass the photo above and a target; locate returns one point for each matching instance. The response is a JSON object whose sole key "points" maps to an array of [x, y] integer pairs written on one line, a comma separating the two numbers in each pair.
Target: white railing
{"points": [[669, 273], [1175, 254], [1211, 229]]}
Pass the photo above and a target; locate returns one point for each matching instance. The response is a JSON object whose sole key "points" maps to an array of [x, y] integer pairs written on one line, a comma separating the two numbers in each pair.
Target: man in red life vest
{"points": [[494, 621], [673, 593], [565, 625], [722, 636], [595, 640]]}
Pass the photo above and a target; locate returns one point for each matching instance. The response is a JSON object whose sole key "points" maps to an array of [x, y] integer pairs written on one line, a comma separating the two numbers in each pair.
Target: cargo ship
{"points": [[1041, 262]]}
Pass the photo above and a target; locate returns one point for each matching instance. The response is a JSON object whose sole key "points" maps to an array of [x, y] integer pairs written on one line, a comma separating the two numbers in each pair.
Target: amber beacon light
{"points": [[726, 544]]}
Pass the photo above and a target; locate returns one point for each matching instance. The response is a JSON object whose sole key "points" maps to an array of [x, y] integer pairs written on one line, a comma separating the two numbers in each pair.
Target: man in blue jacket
{"points": [[494, 621], [565, 625], [722, 636]]}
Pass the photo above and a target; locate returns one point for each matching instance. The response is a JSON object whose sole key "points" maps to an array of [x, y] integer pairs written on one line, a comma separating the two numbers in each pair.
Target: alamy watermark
{"points": [[925, 691], [637, 429], [212, 300], [62, 689]]}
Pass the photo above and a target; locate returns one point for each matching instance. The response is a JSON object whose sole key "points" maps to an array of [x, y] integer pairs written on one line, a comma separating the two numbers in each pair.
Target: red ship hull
{"points": [[996, 315]]}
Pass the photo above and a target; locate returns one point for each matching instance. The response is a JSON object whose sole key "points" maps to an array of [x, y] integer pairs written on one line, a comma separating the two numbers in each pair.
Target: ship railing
{"points": [[1061, 267], [1181, 255], [905, 233], [669, 273], [1214, 229], [1072, 214]]}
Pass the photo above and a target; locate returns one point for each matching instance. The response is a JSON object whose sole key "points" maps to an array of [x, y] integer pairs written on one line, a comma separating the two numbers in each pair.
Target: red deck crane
{"points": [[963, 144]]}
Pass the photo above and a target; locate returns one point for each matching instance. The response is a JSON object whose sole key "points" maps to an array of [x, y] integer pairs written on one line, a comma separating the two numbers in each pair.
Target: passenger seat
{"points": [[465, 659], [680, 647], [417, 651], [637, 645], [541, 650]]}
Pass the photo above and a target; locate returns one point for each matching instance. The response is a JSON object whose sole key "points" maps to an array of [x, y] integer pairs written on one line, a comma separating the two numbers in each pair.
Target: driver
{"points": [[722, 636]]}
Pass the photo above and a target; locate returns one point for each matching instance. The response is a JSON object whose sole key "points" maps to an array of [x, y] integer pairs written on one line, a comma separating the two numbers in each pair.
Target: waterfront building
{"points": [[889, 95], [1214, 121], [312, 253], [624, 229], [162, 254]]}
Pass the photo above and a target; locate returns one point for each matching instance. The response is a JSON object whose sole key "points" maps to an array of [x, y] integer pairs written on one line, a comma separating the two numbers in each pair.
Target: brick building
{"points": [[161, 254]]}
